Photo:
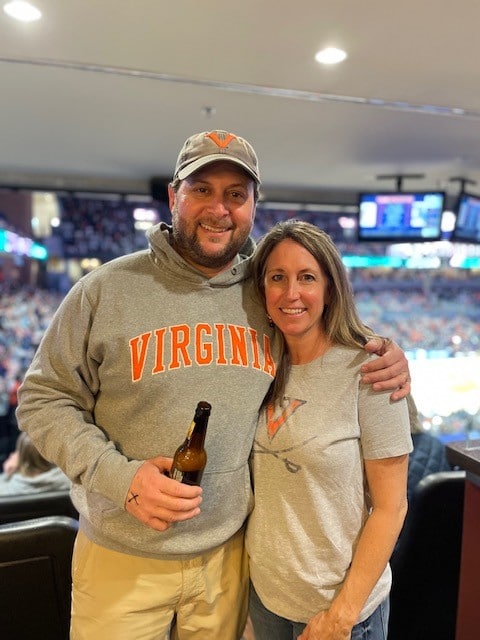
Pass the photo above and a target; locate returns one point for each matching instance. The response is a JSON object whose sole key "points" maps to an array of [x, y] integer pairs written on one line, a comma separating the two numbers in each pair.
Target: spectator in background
{"points": [[12, 406], [26, 471], [5, 440], [24, 315]]}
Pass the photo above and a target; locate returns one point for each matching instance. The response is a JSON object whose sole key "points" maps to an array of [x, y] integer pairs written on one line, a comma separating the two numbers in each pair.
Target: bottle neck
{"points": [[198, 432]]}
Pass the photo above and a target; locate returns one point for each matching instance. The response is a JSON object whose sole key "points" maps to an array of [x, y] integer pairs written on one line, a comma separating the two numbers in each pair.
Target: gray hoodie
{"points": [[131, 350]]}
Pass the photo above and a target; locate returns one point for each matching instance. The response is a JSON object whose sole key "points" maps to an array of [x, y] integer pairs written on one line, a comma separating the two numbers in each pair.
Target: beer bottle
{"points": [[190, 458]]}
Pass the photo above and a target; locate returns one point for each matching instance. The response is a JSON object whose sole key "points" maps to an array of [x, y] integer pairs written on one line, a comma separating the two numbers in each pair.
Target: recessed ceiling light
{"points": [[330, 55], [23, 11]]}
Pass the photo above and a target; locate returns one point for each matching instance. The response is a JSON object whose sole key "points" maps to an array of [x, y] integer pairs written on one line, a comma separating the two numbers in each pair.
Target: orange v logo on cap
{"points": [[221, 143]]}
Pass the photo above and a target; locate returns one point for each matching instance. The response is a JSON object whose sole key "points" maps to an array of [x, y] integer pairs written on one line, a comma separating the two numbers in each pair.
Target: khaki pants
{"points": [[121, 597]]}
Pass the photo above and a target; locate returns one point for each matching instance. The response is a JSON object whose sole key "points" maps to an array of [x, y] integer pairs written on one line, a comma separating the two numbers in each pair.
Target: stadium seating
{"points": [[426, 563], [35, 578], [35, 505]]}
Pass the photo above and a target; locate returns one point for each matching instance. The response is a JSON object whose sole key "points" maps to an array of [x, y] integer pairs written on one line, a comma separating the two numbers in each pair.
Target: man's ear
{"points": [[171, 197]]}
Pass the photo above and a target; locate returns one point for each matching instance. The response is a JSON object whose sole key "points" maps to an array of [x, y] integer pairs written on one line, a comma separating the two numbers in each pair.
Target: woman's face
{"points": [[295, 291]]}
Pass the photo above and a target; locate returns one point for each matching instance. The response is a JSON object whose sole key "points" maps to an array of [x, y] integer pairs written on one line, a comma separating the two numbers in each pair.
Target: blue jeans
{"points": [[269, 626]]}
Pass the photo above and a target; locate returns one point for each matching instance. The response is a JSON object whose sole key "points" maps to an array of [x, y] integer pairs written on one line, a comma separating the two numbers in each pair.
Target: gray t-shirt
{"points": [[310, 497]]}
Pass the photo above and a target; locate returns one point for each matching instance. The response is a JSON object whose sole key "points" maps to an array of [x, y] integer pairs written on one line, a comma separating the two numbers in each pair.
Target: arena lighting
{"points": [[448, 221], [16, 245], [460, 262], [89, 264], [145, 215], [300, 206], [365, 262], [330, 55], [347, 223], [21, 10]]}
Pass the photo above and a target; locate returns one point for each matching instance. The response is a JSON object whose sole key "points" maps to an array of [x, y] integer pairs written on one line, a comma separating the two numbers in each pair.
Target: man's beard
{"points": [[190, 248]]}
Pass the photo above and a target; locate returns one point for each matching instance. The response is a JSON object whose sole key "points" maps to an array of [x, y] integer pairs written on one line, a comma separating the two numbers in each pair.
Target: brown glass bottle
{"points": [[190, 458]]}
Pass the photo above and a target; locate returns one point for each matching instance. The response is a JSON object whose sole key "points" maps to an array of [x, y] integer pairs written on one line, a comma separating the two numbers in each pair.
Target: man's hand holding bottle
{"points": [[159, 501]]}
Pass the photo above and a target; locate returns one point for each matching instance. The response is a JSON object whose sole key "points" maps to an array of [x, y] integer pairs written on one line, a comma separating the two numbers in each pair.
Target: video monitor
{"points": [[467, 221], [400, 217]]}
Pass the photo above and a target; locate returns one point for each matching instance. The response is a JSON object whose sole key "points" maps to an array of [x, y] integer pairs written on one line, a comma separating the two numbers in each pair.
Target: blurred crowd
{"points": [[442, 316], [425, 311], [97, 228], [422, 309], [24, 316]]}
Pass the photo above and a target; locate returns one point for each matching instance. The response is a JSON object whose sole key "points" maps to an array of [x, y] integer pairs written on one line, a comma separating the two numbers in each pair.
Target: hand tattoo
{"points": [[134, 497]]}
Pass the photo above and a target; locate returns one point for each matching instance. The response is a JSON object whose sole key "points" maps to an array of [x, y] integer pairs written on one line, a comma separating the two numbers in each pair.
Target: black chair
{"points": [[35, 578], [426, 562], [36, 505]]}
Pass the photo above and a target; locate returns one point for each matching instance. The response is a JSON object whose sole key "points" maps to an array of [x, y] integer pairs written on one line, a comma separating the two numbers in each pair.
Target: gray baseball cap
{"points": [[211, 146]]}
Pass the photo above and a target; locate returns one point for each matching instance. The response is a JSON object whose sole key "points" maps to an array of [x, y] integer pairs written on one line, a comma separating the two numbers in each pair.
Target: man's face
{"points": [[212, 216]]}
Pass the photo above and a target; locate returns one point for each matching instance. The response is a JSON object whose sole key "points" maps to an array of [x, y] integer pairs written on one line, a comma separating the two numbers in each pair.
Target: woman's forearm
{"points": [[387, 483], [373, 552], [370, 559]]}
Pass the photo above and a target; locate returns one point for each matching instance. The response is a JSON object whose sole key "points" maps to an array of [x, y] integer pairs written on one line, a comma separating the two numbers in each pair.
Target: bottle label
{"points": [[187, 477]]}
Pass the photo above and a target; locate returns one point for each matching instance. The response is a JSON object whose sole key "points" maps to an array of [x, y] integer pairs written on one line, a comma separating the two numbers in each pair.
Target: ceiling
{"points": [[101, 95]]}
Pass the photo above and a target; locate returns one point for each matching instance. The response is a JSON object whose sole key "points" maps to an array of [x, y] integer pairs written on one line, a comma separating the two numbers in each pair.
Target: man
{"points": [[110, 393]]}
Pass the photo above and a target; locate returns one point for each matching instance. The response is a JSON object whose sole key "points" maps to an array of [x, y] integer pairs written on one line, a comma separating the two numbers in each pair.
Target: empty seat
{"points": [[426, 561], [36, 505], [35, 578]]}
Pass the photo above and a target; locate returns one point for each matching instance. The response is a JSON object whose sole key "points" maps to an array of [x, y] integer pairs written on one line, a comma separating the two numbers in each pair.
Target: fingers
{"points": [[157, 500], [388, 372], [378, 345], [385, 379], [178, 489], [166, 519], [381, 345], [386, 342], [400, 384], [162, 463], [384, 347], [395, 374], [159, 503], [392, 365], [173, 504], [159, 516], [402, 391], [162, 501]]}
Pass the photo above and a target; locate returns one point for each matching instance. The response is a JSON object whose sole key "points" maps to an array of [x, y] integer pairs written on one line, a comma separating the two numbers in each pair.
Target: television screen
{"points": [[467, 222], [400, 217]]}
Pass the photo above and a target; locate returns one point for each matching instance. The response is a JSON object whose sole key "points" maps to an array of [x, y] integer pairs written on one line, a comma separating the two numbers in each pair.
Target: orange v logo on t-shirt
{"points": [[273, 425]]}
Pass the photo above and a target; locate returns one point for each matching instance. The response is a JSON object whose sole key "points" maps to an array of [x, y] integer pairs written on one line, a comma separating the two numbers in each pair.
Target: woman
{"points": [[26, 471], [330, 456]]}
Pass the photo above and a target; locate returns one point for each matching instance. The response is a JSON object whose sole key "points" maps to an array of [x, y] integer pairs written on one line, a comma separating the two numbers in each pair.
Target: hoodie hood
{"points": [[159, 239]]}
